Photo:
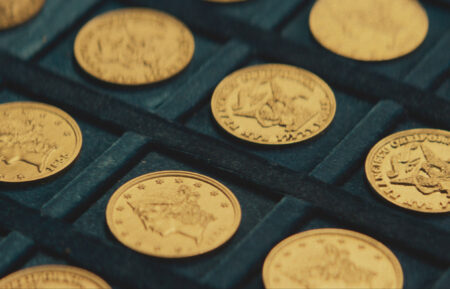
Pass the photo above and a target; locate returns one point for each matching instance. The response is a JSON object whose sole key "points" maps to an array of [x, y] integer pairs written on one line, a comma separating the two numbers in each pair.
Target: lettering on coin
{"points": [[134, 46], [342, 259], [178, 211], [273, 104], [31, 146], [53, 276], [412, 169], [369, 30]]}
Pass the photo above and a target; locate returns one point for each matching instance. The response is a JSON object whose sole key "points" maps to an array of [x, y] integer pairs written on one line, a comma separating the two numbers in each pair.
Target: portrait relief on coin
{"points": [[331, 258], [411, 169], [36, 141], [273, 104], [16, 12], [53, 276], [369, 30], [173, 214], [134, 46]]}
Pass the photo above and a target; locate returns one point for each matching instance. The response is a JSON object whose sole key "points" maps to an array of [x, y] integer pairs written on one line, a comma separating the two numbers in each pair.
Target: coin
{"points": [[16, 12], [134, 46], [273, 104], [53, 276], [36, 141], [369, 30], [173, 214], [411, 169], [331, 258]]}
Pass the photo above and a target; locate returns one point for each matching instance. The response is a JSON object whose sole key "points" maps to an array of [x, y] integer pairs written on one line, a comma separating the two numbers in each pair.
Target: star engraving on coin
{"points": [[273, 104], [331, 264], [369, 30], [181, 215], [16, 12], [53, 276], [411, 169], [134, 46], [32, 147]]}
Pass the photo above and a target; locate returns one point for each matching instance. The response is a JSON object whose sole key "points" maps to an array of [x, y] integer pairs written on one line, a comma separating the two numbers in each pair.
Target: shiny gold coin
{"points": [[411, 169], [331, 258], [273, 104], [36, 141], [173, 214], [16, 12], [134, 46], [369, 30], [53, 276]]}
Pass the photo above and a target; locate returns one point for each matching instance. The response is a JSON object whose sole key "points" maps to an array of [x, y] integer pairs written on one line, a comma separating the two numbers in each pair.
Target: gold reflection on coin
{"points": [[134, 46], [53, 276], [173, 214], [273, 104], [369, 30], [16, 12], [331, 258], [411, 169], [36, 141]]}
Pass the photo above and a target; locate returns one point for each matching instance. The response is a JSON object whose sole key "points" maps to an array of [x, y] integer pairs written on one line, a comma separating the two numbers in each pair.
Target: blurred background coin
{"points": [[273, 104], [411, 169], [331, 258], [173, 214], [36, 141], [369, 30], [134, 46], [53, 276], [16, 12]]}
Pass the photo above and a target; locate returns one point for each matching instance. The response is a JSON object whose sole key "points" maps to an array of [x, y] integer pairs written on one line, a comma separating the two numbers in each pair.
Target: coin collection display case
{"points": [[282, 190]]}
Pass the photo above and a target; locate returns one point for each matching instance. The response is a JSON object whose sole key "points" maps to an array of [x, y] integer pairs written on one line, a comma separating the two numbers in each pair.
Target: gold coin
{"points": [[411, 169], [173, 214], [36, 141], [53, 276], [369, 30], [16, 12], [273, 104], [331, 258], [134, 46]]}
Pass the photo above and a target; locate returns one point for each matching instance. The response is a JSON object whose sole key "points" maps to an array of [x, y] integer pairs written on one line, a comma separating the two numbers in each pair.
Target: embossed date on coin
{"points": [[36, 141], [273, 104], [173, 214], [411, 169], [53, 276], [331, 258]]}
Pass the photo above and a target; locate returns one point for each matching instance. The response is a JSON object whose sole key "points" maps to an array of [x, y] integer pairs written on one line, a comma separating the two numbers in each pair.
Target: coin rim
{"points": [[348, 233], [27, 18], [369, 58], [279, 66], [62, 114], [173, 173], [56, 267], [92, 22], [386, 140]]}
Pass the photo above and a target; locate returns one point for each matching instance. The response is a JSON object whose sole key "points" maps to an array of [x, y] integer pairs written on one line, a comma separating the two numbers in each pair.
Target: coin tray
{"points": [[168, 126]]}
